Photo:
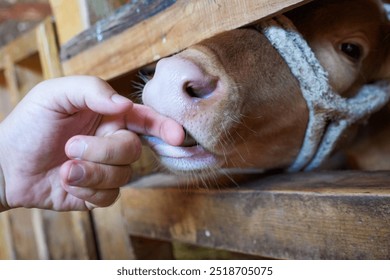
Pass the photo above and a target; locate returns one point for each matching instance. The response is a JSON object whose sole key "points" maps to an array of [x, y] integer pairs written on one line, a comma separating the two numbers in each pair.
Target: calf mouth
{"points": [[189, 140], [188, 157]]}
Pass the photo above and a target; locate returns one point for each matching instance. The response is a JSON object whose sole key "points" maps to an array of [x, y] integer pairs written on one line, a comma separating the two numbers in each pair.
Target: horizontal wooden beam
{"points": [[179, 26], [326, 215], [126, 17], [24, 11], [22, 47]]}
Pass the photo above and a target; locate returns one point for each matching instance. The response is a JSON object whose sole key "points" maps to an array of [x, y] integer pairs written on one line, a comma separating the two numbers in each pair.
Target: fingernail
{"points": [[119, 99], [76, 149], [76, 174]]}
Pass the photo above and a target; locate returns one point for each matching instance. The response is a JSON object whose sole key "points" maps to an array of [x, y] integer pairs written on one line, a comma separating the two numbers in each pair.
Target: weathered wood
{"points": [[111, 234], [5, 98], [24, 11], [22, 47], [68, 235], [6, 240], [328, 215], [124, 18], [151, 249], [28, 73], [2, 55], [39, 233], [71, 18], [21, 69], [83, 235], [179, 26], [48, 49], [23, 234], [11, 80]]}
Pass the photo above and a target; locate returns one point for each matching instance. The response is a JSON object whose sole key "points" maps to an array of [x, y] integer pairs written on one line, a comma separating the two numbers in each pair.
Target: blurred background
{"points": [[18, 16]]}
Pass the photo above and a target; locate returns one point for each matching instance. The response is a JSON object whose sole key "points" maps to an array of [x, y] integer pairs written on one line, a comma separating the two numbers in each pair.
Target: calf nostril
{"points": [[200, 89]]}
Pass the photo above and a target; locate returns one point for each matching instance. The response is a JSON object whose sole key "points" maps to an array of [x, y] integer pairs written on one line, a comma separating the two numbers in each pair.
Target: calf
{"points": [[241, 103]]}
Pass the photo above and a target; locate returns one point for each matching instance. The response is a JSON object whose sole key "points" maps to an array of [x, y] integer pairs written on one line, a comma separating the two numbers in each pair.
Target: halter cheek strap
{"points": [[329, 113]]}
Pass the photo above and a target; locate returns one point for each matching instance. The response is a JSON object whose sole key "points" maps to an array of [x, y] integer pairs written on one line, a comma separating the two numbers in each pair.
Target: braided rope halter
{"points": [[329, 113]]}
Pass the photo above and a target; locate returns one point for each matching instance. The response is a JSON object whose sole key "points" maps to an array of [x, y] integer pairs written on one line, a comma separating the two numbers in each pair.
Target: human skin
{"points": [[69, 145]]}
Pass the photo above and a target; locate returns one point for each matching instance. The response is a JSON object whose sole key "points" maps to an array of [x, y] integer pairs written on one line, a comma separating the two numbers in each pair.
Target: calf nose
{"points": [[184, 77], [189, 78], [176, 86]]}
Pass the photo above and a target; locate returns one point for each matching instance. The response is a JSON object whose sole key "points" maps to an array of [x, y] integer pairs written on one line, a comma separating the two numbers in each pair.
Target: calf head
{"points": [[237, 98]]}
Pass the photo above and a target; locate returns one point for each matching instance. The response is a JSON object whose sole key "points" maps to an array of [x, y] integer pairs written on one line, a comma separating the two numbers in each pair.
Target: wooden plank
{"points": [[23, 12], [11, 80], [40, 234], [151, 249], [112, 238], [6, 240], [181, 25], [2, 56], [21, 50], [67, 235], [5, 98], [71, 18], [22, 47], [124, 18], [325, 215], [23, 234], [83, 235], [48, 49], [28, 73]]}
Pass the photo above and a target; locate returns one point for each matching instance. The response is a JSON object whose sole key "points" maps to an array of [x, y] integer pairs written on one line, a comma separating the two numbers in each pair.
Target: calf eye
{"points": [[353, 51]]}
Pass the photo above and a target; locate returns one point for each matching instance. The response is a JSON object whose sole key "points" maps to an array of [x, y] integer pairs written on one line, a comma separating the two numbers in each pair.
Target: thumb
{"points": [[71, 94]]}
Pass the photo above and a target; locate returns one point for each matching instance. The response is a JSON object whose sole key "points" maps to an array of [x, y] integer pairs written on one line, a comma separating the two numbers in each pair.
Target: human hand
{"points": [[70, 142]]}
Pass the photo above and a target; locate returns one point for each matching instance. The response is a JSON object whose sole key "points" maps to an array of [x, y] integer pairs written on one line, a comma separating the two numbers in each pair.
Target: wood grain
{"points": [[6, 240], [328, 215], [71, 16], [22, 47], [126, 17], [179, 26], [48, 50], [111, 233]]}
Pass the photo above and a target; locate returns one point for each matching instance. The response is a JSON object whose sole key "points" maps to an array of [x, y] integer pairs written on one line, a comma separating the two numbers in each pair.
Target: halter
{"points": [[329, 113]]}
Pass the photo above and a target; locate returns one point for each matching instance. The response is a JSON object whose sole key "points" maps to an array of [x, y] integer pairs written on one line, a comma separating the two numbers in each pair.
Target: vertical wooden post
{"points": [[71, 17], [10, 76], [6, 240], [111, 233], [48, 49]]}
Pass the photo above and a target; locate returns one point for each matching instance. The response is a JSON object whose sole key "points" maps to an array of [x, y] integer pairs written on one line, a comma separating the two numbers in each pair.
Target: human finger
{"points": [[145, 120], [94, 197], [123, 147], [94, 175], [74, 93]]}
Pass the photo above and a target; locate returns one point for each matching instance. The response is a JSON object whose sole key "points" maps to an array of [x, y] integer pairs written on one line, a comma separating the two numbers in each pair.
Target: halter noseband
{"points": [[329, 113]]}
